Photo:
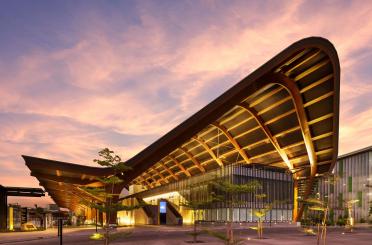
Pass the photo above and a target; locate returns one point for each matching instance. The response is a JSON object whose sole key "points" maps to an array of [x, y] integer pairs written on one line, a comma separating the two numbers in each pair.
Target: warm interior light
{"points": [[162, 196], [10, 215], [96, 236]]}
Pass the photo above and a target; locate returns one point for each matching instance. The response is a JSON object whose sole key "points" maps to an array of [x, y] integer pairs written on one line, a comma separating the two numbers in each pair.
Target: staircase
{"points": [[302, 188], [151, 212], [174, 216]]}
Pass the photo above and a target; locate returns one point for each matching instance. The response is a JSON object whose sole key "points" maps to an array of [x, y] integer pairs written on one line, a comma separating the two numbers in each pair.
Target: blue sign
{"points": [[163, 207]]}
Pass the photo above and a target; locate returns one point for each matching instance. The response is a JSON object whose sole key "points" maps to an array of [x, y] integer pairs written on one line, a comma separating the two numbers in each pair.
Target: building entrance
{"points": [[163, 212]]}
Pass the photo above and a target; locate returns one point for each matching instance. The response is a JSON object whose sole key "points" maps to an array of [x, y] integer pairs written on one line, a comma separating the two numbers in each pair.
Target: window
{"points": [[340, 169], [340, 200], [360, 198], [350, 184]]}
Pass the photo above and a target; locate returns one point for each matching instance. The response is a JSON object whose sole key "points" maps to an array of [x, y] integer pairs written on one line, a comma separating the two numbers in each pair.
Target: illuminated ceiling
{"points": [[63, 180], [285, 114]]}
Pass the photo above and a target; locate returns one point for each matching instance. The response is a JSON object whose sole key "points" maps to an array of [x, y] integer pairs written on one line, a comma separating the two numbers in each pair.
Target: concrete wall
{"points": [[137, 216]]}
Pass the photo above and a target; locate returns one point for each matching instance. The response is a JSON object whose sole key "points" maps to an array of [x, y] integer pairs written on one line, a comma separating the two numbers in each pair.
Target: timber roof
{"points": [[285, 114]]}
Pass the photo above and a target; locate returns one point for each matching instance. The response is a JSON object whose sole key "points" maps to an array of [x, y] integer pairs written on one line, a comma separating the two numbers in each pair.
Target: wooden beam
{"points": [[311, 70], [168, 170], [151, 177], [294, 92], [317, 83], [320, 98], [236, 145], [65, 179], [292, 88], [68, 188], [160, 175], [265, 96], [268, 134], [322, 136], [209, 150], [145, 181], [301, 61], [316, 120], [272, 106], [193, 159], [183, 169]]}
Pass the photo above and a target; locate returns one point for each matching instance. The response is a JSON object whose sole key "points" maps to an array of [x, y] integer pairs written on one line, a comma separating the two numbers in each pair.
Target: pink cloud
{"points": [[145, 79]]}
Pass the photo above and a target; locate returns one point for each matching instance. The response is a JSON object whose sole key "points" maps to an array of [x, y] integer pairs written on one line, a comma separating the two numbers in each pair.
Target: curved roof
{"points": [[63, 180], [285, 114]]}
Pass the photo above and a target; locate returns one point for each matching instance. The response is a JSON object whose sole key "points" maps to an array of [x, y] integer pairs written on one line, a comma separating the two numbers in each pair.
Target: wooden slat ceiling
{"points": [[285, 114], [63, 181], [291, 123]]}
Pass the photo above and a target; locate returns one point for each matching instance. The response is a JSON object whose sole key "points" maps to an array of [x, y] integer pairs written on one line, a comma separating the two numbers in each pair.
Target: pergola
{"points": [[285, 114], [8, 191]]}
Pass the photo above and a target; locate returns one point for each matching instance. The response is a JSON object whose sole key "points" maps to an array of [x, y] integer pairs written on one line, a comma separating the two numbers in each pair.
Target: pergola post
{"points": [[3, 209]]}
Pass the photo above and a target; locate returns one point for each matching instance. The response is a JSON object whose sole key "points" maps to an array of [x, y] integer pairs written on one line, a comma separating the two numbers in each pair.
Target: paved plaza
{"points": [[157, 235]]}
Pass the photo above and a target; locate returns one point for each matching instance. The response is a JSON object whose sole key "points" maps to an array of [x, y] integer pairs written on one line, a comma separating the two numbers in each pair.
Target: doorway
{"points": [[163, 212]]}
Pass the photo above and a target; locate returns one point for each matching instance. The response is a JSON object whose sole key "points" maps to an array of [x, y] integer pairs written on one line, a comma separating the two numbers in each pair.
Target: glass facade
{"points": [[276, 185]]}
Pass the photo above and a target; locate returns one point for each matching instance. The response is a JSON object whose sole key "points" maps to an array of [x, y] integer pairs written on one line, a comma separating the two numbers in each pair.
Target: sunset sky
{"points": [[77, 76]]}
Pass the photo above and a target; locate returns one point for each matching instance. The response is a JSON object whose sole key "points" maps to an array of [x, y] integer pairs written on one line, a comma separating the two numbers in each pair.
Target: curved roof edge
{"points": [[221, 104], [34, 163]]}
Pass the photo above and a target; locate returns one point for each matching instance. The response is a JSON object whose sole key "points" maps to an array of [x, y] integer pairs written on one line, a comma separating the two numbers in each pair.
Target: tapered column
{"points": [[295, 201]]}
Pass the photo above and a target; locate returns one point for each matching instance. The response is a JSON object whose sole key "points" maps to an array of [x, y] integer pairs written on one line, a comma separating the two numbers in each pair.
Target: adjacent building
{"points": [[352, 181]]}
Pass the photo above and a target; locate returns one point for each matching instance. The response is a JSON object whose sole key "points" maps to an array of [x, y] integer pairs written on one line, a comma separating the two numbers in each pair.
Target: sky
{"points": [[78, 76]]}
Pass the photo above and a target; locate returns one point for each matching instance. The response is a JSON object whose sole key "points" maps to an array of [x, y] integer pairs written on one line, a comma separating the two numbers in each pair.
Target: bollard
{"points": [[58, 228], [60, 231]]}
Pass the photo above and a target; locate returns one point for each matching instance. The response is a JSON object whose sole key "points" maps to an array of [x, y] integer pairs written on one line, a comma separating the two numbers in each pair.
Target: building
{"points": [[17, 216], [6, 212], [353, 181], [276, 184], [284, 116]]}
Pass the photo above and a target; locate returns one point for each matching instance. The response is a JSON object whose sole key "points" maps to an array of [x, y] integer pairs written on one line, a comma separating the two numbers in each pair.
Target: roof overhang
{"points": [[63, 181], [285, 114]]}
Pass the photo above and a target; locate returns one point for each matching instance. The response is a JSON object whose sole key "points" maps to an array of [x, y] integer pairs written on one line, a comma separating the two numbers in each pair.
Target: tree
{"points": [[107, 193], [316, 204], [260, 214], [350, 219], [230, 194], [195, 206]]}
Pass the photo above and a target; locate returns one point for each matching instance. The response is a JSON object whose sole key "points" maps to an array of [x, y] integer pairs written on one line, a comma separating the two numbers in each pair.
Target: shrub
{"points": [[340, 221], [330, 222], [362, 220]]}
